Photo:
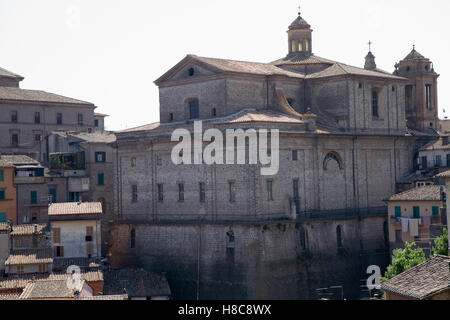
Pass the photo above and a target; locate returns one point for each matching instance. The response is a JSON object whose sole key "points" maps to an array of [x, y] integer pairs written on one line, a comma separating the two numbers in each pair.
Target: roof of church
{"points": [[299, 23], [414, 55], [338, 69], [9, 74], [301, 59]]}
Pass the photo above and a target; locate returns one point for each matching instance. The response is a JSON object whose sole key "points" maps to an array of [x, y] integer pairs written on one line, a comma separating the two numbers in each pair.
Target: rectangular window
{"points": [[52, 195], [294, 155], [160, 192], [59, 118], [2, 175], [56, 235], [445, 141], [33, 197], [202, 189], [58, 251], [181, 192], [2, 194], [375, 113], [101, 179], [133, 162], [96, 123], [134, 193], [2, 216], [80, 119], [435, 211], [37, 117], [37, 138], [15, 139], [14, 116], [424, 163], [74, 196], [398, 212], [232, 191], [416, 211], [193, 109], [100, 157], [428, 96], [269, 185], [89, 231], [438, 161]]}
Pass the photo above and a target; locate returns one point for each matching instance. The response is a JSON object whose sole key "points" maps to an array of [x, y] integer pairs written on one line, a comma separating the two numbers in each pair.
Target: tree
{"points": [[441, 244], [404, 259]]}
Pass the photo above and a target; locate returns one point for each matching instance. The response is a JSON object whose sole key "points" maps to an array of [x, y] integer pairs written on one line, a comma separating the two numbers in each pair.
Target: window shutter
{"points": [[56, 235], [2, 175], [398, 212], [435, 211], [416, 212], [33, 197]]}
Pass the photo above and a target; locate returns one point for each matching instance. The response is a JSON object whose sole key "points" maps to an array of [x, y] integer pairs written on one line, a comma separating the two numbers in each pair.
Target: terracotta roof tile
{"points": [[110, 297], [75, 208], [28, 229], [421, 281], [445, 174], [48, 289], [437, 145], [30, 256], [16, 160], [9, 296], [19, 282], [427, 193], [5, 226]]}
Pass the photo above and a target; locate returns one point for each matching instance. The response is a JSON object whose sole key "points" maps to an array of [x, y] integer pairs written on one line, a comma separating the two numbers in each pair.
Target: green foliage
{"points": [[441, 244], [298, 225], [404, 259], [266, 227]]}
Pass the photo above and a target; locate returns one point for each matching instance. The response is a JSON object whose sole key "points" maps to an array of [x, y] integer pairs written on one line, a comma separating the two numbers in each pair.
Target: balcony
{"points": [[29, 180]]}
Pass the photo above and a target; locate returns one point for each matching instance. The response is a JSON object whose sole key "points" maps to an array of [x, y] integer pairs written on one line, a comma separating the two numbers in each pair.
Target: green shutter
{"points": [[2, 216], [416, 212], [2, 194], [96, 123], [52, 193], [33, 197], [101, 179], [2, 175], [398, 212], [435, 211]]}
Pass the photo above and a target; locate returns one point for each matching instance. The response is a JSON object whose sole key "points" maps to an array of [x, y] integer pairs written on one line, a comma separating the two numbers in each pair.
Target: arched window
{"points": [[375, 99], [191, 72], [132, 238], [193, 109], [339, 236], [333, 156]]}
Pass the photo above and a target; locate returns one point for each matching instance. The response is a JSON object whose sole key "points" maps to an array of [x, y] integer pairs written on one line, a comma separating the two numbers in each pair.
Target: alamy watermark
{"points": [[190, 150]]}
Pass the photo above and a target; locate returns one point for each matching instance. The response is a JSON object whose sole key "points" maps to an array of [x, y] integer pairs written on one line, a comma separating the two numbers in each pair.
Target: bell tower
{"points": [[421, 98], [300, 37]]}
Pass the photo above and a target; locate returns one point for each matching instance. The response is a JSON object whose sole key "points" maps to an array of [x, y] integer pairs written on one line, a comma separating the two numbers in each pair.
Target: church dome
{"points": [[299, 23], [414, 55]]}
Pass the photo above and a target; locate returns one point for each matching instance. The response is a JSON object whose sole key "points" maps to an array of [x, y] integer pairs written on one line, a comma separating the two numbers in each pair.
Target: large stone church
{"points": [[347, 136]]}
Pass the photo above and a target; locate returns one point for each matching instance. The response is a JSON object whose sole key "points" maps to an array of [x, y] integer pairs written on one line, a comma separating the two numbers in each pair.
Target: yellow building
{"points": [[416, 216], [8, 203]]}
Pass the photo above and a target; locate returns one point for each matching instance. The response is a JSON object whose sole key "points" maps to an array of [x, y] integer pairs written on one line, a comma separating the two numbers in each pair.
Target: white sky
{"points": [[109, 52]]}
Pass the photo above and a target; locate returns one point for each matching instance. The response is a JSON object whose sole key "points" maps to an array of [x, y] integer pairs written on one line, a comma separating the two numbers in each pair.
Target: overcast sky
{"points": [[109, 52]]}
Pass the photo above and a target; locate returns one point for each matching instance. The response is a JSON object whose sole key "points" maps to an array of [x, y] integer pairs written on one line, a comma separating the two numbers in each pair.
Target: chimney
{"points": [[370, 62]]}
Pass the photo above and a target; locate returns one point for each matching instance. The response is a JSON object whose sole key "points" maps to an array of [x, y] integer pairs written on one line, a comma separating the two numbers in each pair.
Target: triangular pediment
{"points": [[188, 68]]}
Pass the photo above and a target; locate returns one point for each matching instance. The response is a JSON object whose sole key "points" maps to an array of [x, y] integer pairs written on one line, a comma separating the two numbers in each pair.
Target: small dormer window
{"points": [[191, 72]]}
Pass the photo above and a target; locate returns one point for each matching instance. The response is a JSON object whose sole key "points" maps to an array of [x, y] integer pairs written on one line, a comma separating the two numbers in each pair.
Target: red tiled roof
{"points": [[75, 208]]}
